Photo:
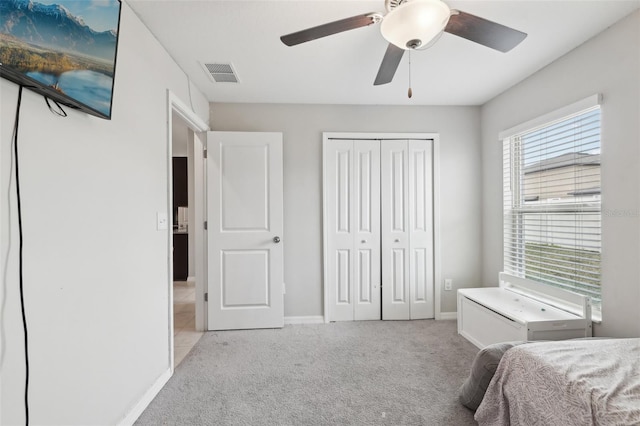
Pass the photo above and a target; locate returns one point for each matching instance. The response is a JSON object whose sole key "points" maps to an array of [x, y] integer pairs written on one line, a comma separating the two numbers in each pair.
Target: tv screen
{"points": [[62, 49]]}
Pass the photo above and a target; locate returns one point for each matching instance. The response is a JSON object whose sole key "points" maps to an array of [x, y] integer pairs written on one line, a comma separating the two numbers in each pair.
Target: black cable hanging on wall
{"points": [[62, 113], [22, 306], [59, 112]]}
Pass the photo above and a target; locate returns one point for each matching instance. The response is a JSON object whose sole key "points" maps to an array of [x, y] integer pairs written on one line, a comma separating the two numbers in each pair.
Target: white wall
{"points": [[303, 125], [95, 268], [608, 64]]}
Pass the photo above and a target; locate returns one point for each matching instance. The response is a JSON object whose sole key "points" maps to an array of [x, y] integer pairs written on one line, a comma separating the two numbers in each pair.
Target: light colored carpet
{"points": [[353, 373]]}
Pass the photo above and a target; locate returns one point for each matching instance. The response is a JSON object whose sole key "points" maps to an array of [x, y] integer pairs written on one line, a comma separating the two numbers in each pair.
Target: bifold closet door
{"points": [[407, 229], [352, 218]]}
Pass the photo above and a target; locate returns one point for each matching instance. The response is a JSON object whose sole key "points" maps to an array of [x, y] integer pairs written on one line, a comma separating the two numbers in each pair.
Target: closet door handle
{"points": [[396, 240], [363, 241], [276, 240]]}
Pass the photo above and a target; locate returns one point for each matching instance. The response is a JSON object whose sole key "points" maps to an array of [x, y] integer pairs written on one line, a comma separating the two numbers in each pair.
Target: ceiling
{"points": [[340, 69]]}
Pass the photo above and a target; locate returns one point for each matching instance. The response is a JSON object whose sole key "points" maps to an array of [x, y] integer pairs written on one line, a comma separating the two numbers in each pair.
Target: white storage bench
{"points": [[518, 310]]}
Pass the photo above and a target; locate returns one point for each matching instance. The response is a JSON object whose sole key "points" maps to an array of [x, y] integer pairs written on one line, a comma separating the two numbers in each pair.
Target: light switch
{"points": [[162, 221]]}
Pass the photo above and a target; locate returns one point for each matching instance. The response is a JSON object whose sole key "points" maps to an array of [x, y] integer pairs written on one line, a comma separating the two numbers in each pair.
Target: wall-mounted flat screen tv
{"points": [[63, 49]]}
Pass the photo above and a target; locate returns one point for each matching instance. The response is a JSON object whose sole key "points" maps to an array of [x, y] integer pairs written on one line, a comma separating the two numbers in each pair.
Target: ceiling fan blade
{"points": [[483, 31], [389, 65], [330, 28]]}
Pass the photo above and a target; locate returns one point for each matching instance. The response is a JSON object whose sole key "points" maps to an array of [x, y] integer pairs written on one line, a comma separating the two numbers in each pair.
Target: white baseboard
{"points": [[146, 399], [314, 319], [448, 315]]}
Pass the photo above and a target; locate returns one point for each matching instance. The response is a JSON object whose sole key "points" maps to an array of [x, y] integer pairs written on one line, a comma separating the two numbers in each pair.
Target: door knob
{"points": [[363, 241], [276, 240], [397, 241]]}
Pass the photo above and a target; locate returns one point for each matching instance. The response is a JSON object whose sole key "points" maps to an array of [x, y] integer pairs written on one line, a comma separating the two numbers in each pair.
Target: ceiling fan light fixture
{"points": [[415, 23]]}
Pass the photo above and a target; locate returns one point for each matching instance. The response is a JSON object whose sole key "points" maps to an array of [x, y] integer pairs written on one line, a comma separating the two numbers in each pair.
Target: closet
{"points": [[378, 228]]}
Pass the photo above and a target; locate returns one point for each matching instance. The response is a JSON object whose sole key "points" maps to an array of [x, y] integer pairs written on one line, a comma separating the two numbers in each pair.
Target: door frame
{"points": [[196, 125], [436, 207]]}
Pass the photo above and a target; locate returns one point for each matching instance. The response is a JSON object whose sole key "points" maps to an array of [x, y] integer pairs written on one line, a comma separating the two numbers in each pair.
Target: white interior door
{"points": [[245, 224], [366, 242], [395, 230], [352, 221], [421, 266], [407, 229]]}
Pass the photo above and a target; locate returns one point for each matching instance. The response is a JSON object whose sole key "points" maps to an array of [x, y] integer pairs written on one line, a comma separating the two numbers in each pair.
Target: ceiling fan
{"points": [[415, 25]]}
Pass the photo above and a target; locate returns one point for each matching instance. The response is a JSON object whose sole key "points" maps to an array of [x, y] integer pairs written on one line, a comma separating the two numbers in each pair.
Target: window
{"points": [[552, 203]]}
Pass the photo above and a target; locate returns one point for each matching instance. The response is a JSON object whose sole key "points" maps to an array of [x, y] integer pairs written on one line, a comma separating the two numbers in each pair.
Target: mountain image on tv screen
{"points": [[67, 45]]}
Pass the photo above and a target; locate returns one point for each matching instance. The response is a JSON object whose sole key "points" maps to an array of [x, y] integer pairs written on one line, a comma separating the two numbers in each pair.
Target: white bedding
{"points": [[574, 382]]}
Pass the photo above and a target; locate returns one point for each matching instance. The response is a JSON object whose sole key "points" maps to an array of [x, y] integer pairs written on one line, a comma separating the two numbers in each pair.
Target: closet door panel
{"points": [[343, 277], [398, 281], [366, 208], [395, 235], [420, 206], [363, 277], [339, 220]]}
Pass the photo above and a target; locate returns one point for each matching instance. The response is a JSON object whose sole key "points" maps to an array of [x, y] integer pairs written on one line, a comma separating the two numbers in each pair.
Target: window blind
{"points": [[551, 210]]}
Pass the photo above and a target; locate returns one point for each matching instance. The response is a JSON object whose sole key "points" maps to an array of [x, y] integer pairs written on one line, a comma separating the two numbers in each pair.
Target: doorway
{"points": [[184, 298], [187, 315], [380, 226]]}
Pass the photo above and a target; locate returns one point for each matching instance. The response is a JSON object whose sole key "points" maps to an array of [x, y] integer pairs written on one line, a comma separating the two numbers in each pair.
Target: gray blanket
{"points": [[566, 383]]}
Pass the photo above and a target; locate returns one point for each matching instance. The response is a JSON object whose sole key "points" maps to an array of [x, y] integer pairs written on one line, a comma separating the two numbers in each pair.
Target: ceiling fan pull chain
{"points": [[410, 92]]}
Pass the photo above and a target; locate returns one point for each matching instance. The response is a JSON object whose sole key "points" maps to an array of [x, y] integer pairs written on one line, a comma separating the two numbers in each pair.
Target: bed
{"points": [[573, 382]]}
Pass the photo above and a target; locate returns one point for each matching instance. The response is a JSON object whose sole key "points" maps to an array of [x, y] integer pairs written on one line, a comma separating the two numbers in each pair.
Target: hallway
{"points": [[184, 320]]}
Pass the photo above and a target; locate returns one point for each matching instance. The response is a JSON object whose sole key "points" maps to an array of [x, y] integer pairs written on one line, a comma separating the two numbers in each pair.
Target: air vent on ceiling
{"points": [[221, 73]]}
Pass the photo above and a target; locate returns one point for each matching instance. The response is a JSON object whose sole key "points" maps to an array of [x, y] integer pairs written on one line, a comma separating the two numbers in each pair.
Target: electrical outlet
{"points": [[448, 284]]}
